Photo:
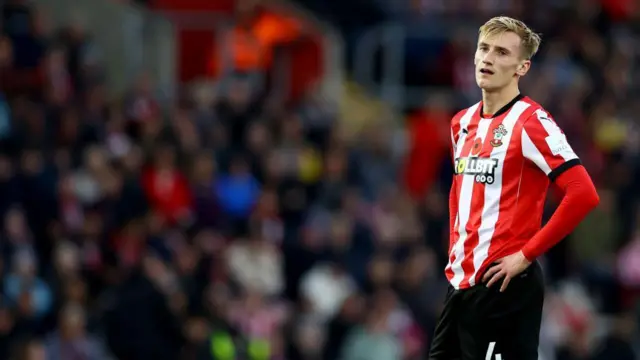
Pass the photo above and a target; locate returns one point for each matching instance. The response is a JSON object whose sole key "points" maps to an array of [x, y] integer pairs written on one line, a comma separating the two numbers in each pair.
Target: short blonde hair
{"points": [[501, 24]]}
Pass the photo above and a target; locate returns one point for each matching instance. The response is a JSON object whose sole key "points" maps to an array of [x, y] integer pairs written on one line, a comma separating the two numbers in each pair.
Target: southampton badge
{"points": [[498, 134]]}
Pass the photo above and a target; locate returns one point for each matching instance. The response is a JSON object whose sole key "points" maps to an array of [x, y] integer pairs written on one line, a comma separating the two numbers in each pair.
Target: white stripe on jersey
{"points": [[464, 197], [493, 193]]}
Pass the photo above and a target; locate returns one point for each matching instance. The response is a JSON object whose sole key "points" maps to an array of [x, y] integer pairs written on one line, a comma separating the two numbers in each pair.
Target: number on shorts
{"points": [[490, 349]]}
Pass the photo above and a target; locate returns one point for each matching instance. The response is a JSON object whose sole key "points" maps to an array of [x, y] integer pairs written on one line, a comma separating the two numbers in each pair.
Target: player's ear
{"points": [[523, 68]]}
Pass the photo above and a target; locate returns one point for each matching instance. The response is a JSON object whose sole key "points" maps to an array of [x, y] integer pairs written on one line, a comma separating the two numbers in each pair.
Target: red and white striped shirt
{"points": [[503, 165]]}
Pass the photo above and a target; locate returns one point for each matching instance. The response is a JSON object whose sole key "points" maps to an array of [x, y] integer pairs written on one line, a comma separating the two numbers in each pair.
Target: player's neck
{"points": [[494, 101]]}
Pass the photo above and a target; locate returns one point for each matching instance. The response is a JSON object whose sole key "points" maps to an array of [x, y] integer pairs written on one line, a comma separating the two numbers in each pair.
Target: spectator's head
{"points": [[24, 264], [607, 201], [209, 242], [219, 136], [274, 167], [435, 205], [56, 60], [239, 166], [376, 322], [6, 168], [69, 126], [338, 266], [186, 260], [268, 204], [197, 330], [72, 321], [143, 86], [341, 232], [67, 259], [252, 299], [158, 272], [256, 243], [351, 201], [33, 350], [15, 225], [93, 224], [111, 182], [76, 28], [203, 168], [381, 271], [6, 52], [245, 10], [335, 165], [292, 130], [240, 93], [625, 326], [165, 158], [218, 299], [385, 301], [309, 338], [32, 162], [419, 265], [75, 290], [96, 99], [66, 187], [95, 159], [133, 160], [7, 320], [39, 23], [155, 223], [353, 308], [258, 138], [311, 238], [62, 159]]}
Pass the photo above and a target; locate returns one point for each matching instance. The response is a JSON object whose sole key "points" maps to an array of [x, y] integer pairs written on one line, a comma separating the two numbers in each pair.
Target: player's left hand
{"points": [[506, 268]]}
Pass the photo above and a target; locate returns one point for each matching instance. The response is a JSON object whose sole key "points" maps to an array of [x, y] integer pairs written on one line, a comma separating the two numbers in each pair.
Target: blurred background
{"points": [[268, 180]]}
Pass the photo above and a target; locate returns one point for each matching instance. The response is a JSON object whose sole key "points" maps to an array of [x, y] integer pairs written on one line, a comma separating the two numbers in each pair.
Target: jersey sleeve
{"points": [[544, 143]]}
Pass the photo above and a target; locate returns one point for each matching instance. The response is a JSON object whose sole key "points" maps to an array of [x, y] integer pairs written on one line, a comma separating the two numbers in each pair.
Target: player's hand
{"points": [[506, 268]]}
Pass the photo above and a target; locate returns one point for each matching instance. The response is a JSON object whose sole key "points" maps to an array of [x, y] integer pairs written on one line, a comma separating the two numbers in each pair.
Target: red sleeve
{"points": [[580, 197], [544, 143]]}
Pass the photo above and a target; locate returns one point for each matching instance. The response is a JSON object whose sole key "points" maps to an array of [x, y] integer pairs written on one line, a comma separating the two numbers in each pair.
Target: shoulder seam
{"points": [[534, 110]]}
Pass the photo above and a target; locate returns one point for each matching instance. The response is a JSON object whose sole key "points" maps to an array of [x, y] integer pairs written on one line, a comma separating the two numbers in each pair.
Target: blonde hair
{"points": [[501, 24]]}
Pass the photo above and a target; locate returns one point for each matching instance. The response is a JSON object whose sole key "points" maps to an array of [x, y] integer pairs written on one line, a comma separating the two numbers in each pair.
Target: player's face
{"points": [[499, 61]]}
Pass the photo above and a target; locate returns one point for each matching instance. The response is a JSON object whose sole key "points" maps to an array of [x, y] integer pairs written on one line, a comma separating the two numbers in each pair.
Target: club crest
{"points": [[498, 134]]}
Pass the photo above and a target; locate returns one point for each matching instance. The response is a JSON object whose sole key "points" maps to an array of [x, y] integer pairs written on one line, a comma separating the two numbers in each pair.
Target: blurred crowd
{"points": [[231, 225]]}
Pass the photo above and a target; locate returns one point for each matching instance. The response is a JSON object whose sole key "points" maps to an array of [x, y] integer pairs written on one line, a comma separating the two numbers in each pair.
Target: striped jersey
{"points": [[502, 168]]}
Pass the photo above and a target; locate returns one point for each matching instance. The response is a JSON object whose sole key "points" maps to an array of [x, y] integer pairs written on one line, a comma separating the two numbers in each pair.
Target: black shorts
{"points": [[481, 323]]}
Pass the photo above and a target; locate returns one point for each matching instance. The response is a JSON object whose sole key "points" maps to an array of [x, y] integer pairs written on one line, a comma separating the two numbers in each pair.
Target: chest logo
{"points": [[498, 134], [483, 170]]}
